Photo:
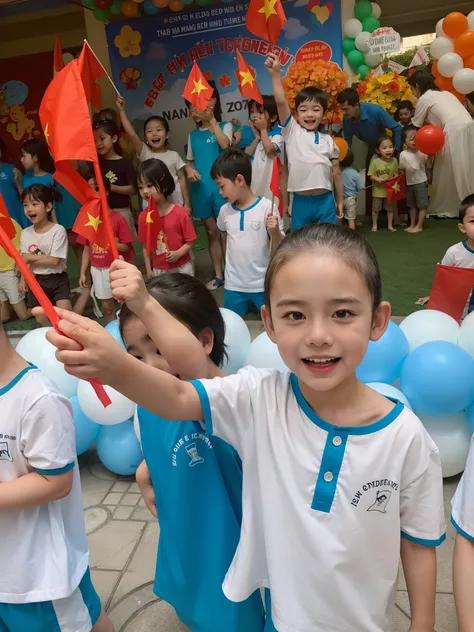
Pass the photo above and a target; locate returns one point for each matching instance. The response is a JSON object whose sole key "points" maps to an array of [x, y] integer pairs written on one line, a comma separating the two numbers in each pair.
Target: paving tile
{"points": [[120, 486], [137, 601], [142, 513], [134, 488], [104, 583], [112, 545], [130, 500], [123, 513], [401, 623], [159, 617], [95, 517], [101, 472], [113, 498], [445, 611]]}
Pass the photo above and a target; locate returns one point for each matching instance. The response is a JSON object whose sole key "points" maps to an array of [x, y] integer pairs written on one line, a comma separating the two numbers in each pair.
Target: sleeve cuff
{"points": [[220, 230], [206, 406], [461, 531], [59, 470], [422, 541], [286, 122]]}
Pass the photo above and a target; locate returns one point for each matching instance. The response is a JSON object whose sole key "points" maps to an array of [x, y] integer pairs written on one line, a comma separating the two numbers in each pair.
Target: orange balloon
{"points": [[343, 147], [176, 5], [434, 70], [469, 62], [161, 4], [455, 24], [444, 83], [464, 44], [130, 9]]}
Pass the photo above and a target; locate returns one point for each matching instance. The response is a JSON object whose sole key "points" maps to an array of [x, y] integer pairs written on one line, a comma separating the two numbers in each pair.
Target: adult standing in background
{"points": [[453, 174]]}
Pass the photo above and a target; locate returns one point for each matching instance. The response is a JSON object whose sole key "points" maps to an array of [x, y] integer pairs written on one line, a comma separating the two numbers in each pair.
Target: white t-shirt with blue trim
{"points": [[248, 244], [462, 512], [44, 552], [262, 165], [310, 157], [324, 506]]}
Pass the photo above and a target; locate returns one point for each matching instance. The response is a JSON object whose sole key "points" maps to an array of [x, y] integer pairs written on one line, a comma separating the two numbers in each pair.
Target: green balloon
{"points": [[362, 9], [116, 8], [100, 15], [370, 24], [202, 3], [348, 44], [355, 59], [89, 4], [363, 70]]}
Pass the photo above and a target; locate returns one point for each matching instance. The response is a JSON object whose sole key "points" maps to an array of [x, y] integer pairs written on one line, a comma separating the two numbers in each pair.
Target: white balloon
{"points": [[463, 81], [119, 410], [67, 57], [429, 325], [470, 21], [264, 354], [390, 391], [452, 436], [372, 59], [362, 41], [466, 334], [352, 28], [237, 340], [450, 64], [440, 46], [439, 28], [34, 348], [136, 425], [376, 10]]}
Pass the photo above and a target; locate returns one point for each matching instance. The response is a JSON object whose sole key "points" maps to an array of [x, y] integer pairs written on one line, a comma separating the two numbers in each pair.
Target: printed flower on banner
{"points": [[225, 81], [131, 78], [128, 41]]}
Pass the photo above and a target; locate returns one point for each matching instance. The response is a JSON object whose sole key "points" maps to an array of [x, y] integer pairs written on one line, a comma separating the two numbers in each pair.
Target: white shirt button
{"points": [[328, 477], [337, 441]]}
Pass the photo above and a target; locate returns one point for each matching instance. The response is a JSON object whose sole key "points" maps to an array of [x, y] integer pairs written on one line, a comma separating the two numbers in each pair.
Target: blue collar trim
{"points": [[467, 247], [355, 430], [16, 379], [242, 210]]}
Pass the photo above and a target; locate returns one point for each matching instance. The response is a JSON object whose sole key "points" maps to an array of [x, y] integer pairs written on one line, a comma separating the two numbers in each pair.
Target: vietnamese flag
{"points": [[275, 185], [58, 61], [451, 290], [265, 19], [154, 226], [5, 220], [91, 69], [247, 83], [197, 91], [396, 188]]}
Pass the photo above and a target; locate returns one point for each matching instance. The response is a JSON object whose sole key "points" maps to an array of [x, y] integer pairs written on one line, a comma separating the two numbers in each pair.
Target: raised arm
{"points": [[128, 128], [273, 66]]}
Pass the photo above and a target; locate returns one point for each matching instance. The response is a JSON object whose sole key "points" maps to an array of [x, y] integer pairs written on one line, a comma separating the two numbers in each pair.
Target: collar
{"points": [[364, 115], [242, 210], [464, 243]]}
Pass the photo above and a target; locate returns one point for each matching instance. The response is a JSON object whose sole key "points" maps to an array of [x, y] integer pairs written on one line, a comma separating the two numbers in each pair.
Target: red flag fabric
{"points": [[91, 69], [5, 220], [247, 81], [197, 91], [275, 184], [396, 188], [154, 226], [58, 61], [73, 182], [265, 19], [451, 289]]}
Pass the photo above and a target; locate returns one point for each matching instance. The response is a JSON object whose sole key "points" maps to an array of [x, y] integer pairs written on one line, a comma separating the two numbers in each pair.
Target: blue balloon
{"points": [[114, 330], [15, 92], [87, 430], [150, 8], [119, 449], [384, 358], [470, 417], [438, 379]]}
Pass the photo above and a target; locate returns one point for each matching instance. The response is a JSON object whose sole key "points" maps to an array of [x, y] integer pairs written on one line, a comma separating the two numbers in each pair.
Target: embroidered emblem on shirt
{"points": [[382, 498], [5, 452], [256, 224]]}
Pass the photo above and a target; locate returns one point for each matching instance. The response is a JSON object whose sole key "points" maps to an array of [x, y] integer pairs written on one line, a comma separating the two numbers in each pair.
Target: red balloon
{"points": [[430, 139], [103, 5]]}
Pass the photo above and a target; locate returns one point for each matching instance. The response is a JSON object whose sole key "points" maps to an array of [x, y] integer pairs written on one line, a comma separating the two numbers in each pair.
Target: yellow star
{"points": [[46, 133], [268, 8], [396, 187], [93, 221], [246, 77], [198, 87], [149, 219]]}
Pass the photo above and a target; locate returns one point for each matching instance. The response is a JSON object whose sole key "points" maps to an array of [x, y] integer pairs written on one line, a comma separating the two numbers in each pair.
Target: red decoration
{"points": [[197, 91], [247, 80], [275, 185], [58, 61], [430, 139], [265, 19], [396, 188]]}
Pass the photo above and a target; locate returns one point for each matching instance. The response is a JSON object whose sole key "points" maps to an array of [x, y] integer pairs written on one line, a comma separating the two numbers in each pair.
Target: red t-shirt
{"points": [[179, 230], [103, 257]]}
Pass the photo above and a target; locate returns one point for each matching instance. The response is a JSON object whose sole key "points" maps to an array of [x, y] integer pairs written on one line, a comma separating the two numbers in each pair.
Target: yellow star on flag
{"points": [[268, 8], [396, 187], [93, 222], [149, 219], [46, 133], [198, 87], [246, 77]]}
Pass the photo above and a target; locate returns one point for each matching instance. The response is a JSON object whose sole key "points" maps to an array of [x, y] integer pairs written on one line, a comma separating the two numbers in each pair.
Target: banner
{"points": [[151, 57]]}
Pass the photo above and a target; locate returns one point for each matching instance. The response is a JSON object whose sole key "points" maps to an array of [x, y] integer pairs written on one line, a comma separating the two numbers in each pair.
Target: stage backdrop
{"points": [[151, 57]]}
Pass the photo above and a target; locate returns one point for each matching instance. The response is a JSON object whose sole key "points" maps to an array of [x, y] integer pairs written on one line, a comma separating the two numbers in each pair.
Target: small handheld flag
{"points": [[396, 188], [197, 91], [247, 81], [265, 19]]}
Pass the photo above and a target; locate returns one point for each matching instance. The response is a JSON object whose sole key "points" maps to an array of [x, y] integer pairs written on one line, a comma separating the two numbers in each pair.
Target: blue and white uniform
{"points": [[198, 492], [204, 150], [262, 165], [462, 512], [44, 579], [247, 253], [310, 161], [324, 506], [10, 192]]}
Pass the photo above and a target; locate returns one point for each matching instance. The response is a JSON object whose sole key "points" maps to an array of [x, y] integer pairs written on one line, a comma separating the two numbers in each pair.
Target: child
{"points": [[45, 581], [405, 112], [175, 242], [100, 259], [383, 168], [312, 156], [157, 133], [44, 248], [186, 325], [205, 144], [9, 174], [117, 170], [333, 472], [10, 294], [251, 226], [413, 163], [353, 185]]}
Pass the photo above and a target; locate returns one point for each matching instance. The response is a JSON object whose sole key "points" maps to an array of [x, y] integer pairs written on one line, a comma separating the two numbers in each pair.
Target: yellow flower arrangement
{"points": [[325, 75], [387, 90]]}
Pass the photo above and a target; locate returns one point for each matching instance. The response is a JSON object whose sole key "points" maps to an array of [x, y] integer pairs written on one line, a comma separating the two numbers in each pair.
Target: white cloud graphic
{"points": [[301, 3], [293, 29]]}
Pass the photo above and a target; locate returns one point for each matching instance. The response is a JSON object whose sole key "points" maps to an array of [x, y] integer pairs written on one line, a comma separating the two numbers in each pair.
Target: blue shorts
{"points": [[312, 209], [269, 627], [205, 200], [239, 302], [77, 613]]}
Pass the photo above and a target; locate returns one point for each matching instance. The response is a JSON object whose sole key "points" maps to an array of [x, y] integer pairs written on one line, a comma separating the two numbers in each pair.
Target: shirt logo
{"points": [[192, 451], [190, 443], [5, 452], [256, 224], [382, 498], [384, 488], [3, 175], [111, 177]]}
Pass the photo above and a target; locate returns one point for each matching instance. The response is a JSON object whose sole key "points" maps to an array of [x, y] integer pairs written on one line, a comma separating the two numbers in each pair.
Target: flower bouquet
{"points": [[386, 90]]}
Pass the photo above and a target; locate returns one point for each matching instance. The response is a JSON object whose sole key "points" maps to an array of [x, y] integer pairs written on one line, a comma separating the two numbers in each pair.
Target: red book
{"points": [[265, 19], [197, 91], [247, 82]]}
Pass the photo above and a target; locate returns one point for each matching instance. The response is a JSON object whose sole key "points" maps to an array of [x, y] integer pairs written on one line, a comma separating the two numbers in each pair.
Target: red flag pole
{"points": [[105, 210], [45, 303]]}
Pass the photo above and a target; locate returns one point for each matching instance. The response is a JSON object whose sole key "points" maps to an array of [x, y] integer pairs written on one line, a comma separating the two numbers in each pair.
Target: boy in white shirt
{"points": [[413, 163], [45, 582], [251, 227], [312, 157]]}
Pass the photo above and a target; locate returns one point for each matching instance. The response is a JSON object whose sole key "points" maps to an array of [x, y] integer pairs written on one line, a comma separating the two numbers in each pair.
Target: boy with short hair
{"points": [[353, 185], [312, 156], [405, 112], [413, 163], [251, 226], [45, 581]]}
